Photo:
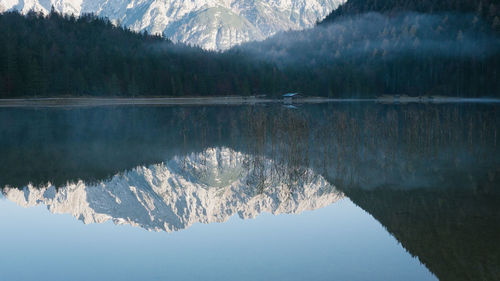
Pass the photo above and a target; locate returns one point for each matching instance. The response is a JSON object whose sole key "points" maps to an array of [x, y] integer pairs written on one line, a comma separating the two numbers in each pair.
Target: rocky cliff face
{"points": [[211, 24], [206, 187]]}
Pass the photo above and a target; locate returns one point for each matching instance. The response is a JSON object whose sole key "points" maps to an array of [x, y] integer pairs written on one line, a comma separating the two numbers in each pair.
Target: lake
{"points": [[328, 191]]}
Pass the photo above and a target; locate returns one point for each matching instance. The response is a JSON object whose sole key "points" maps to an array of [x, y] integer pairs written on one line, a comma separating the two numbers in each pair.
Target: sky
{"points": [[339, 242]]}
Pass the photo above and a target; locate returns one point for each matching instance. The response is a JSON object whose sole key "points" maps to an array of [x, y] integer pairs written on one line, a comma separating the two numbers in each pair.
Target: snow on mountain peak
{"points": [[210, 24]]}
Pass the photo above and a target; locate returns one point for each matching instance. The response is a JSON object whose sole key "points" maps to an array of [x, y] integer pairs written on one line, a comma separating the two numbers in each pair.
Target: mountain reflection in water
{"points": [[428, 173], [206, 187]]}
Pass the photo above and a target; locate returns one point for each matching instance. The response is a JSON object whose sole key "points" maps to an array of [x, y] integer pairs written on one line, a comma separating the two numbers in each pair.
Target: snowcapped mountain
{"points": [[206, 187], [211, 24]]}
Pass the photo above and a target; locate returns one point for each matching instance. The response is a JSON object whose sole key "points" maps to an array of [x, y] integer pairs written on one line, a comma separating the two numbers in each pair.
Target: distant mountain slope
{"points": [[211, 24], [392, 52], [361, 56], [488, 9]]}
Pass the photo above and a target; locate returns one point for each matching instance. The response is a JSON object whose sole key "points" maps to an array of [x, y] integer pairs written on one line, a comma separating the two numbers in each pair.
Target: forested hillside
{"points": [[61, 55], [409, 53], [359, 55], [489, 10]]}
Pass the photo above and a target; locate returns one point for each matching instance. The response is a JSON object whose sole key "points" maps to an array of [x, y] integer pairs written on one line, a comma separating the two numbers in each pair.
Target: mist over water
{"points": [[375, 35], [341, 141]]}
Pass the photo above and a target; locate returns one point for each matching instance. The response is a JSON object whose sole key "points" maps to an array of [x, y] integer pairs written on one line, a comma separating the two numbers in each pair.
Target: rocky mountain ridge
{"points": [[210, 24]]}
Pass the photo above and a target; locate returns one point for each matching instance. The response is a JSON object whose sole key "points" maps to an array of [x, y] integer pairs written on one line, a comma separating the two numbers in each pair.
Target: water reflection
{"points": [[429, 173], [360, 145], [206, 187], [454, 231]]}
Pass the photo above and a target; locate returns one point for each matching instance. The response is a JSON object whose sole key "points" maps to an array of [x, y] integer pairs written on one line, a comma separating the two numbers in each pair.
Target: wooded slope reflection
{"points": [[367, 145], [428, 173]]}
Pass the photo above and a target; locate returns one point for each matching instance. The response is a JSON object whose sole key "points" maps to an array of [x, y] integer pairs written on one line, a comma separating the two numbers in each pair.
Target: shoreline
{"points": [[233, 100], [91, 101]]}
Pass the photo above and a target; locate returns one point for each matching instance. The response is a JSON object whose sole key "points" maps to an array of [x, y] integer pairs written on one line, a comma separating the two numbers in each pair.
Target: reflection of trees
{"points": [[373, 146], [454, 232], [60, 145], [364, 145], [283, 138], [429, 174], [386, 146]]}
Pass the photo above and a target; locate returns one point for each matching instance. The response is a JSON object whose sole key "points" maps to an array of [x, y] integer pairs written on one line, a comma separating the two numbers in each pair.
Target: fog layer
{"points": [[373, 35]]}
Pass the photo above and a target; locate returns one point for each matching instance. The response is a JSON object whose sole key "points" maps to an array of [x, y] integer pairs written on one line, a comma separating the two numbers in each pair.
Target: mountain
{"points": [[211, 24], [205, 187], [486, 9], [365, 55]]}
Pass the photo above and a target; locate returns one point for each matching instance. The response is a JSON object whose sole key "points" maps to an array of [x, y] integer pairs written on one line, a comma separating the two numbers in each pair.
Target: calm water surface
{"points": [[318, 192]]}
